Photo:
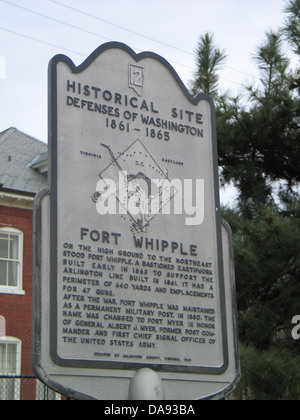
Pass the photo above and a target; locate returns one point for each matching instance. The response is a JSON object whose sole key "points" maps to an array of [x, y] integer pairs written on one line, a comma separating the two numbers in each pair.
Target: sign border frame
{"points": [[53, 176], [41, 360]]}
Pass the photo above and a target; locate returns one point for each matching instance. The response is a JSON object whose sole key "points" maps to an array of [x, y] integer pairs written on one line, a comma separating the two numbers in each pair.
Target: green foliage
{"points": [[291, 31], [269, 375], [267, 260], [292, 25], [209, 61], [260, 144], [259, 152]]}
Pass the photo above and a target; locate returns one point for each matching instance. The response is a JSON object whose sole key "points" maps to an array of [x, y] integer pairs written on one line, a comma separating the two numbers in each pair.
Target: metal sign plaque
{"points": [[137, 268]]}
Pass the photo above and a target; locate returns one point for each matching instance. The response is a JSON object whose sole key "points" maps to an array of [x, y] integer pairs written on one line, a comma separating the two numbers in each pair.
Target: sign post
{"points": [[138, 273]]}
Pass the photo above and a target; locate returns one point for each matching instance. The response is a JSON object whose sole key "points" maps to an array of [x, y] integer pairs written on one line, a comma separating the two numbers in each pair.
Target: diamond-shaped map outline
{"points": [[116, 162]]}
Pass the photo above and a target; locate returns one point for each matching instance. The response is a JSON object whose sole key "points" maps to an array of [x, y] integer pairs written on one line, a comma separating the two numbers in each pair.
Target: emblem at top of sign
{"points": [[136, 78]]}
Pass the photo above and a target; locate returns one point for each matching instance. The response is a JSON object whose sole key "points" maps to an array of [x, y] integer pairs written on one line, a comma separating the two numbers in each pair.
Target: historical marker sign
{"points": [[137, 269]]}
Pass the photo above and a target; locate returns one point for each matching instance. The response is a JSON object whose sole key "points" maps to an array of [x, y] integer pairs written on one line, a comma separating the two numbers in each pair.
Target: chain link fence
{"points": [[25, 388]]}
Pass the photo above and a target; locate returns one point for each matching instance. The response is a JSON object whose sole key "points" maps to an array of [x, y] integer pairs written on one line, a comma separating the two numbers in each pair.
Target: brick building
{"points": [[23, 173]]}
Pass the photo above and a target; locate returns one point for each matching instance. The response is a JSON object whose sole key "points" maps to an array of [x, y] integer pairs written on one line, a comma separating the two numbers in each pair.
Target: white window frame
{"points": [[17, 383], [15, 290]]}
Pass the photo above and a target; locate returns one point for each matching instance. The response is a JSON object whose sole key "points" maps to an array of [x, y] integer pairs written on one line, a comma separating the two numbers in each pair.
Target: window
{"points": [[10, 365], [11, 260]]}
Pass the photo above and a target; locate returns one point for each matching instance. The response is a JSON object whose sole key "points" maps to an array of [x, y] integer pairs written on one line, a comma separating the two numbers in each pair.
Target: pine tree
{"points": [[259, 151], [209, 61], [291, 31], [292, 25], [259, 145]]}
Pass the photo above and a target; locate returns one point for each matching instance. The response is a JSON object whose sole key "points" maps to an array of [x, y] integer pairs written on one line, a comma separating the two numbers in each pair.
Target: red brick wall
{"points": [[17, 309]]}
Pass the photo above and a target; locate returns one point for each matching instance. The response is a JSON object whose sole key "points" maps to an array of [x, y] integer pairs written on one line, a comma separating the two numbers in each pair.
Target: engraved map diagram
{"points": [[137, 183]]}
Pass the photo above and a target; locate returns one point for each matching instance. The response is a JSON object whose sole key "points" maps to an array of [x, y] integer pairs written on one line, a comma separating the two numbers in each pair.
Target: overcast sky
{"points": [[170, 28]]}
